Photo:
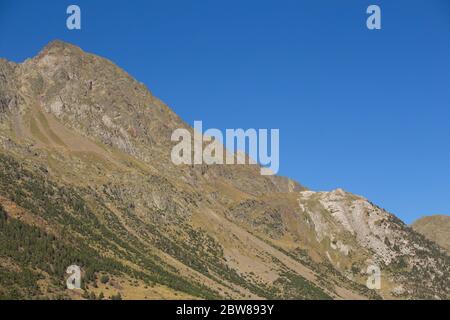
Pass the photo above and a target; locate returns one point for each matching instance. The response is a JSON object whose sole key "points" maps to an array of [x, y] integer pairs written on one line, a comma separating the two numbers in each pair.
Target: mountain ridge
{"points": [[85, 153], [435, 228]]}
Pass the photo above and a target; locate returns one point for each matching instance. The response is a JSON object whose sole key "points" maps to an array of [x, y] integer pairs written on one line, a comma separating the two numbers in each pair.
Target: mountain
{"points": [[435, 228], [86, 179]]}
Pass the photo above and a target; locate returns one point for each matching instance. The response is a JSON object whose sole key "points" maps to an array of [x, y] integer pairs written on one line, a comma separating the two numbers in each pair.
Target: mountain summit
{"points": [[86, 179]]}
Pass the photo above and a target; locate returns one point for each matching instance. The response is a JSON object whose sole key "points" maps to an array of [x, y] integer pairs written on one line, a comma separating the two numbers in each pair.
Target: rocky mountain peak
{"points": [[85, 148], [59, 47]]}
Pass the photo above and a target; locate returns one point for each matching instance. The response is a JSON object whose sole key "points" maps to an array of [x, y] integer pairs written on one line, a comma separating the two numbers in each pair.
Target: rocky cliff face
{"points": [[86, 177]]}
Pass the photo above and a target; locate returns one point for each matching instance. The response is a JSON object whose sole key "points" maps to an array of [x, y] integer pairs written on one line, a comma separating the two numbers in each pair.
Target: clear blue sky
{"points": [[364, 110]]}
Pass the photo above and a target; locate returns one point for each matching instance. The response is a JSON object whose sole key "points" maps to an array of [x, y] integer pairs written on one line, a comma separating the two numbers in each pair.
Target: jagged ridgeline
{"points": [[86, 179]]}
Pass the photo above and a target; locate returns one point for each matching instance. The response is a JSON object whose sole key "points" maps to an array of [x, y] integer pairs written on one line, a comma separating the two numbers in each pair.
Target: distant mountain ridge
{"points": [[436, 228], [86, 179]]}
